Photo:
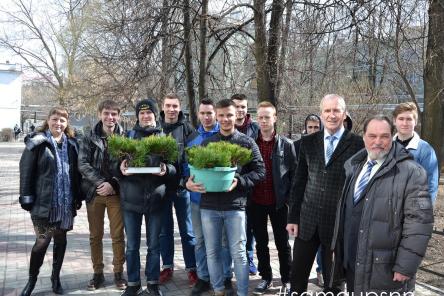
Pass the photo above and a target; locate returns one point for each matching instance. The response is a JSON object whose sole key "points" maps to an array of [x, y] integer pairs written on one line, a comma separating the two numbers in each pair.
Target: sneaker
{"points": [[228, 285], [192, 278], [320, 279], [120, 281], [200, 287], [253, 268], [96, 282], [165, 275], [153, 290], [219, 293], [132, 291], [263, 286]]}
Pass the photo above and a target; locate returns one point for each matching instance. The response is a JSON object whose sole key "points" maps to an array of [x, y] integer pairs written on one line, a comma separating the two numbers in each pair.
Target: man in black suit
{"points": [[316, 191]]}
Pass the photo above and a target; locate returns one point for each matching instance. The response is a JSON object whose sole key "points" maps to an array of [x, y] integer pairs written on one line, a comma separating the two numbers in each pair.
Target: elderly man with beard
{"points": [[389, 214]]}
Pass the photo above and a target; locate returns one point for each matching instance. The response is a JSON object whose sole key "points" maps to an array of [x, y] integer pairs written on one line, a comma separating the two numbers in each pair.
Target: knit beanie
{"points": [[147, 104]]}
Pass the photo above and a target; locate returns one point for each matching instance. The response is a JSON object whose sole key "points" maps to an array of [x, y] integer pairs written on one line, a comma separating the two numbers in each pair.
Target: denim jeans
{"points": [[181, 202], [200, 250], [133, 224], [233, 222]]}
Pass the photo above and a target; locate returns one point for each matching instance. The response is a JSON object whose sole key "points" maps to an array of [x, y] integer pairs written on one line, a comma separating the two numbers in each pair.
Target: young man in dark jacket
{"points": [[173, 123], [142, 197], [245, 124], [385, 216], [102, 193], [269, 197], [226, 210]]}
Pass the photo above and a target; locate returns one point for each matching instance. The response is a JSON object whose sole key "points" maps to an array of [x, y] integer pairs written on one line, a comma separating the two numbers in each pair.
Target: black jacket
{"points": [[396, 222], [248, 176], [37, 168], [92, 157], [143, 193], [283, 166], [181, 131], [318, 186]]}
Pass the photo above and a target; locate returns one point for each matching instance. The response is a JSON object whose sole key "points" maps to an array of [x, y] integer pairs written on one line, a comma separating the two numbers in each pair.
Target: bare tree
{"points": [[433, 119]]}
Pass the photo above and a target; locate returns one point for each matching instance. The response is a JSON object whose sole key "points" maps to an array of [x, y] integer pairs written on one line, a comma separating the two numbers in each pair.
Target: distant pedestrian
{"points": [[32, 128], [17, 131], [49, 190]]}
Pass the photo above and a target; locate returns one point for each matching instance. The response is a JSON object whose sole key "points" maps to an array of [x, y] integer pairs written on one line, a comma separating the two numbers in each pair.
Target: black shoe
{"points": [[263, 286], [200, 287], [29, 286], [56, 285], [229, 291], [153, 290], [96, 282], [132, 291], [120, 281]]}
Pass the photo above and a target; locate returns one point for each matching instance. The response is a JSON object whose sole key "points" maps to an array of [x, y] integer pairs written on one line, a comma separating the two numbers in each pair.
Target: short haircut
{"points": [[313, 118], [380, 117], [172, 96], [266, 104], [341, 101], [406, 107], [206, 102], [240, 97], [108, 104], [225, 103]]}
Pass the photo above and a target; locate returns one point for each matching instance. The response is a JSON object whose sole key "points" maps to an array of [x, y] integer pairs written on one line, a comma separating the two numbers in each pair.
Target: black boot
{"points": [[58, 256], [37, 256], [29, 286]]}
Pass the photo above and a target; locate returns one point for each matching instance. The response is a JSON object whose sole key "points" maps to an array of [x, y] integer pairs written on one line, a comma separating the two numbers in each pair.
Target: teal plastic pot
{"points": [[215, 179]]}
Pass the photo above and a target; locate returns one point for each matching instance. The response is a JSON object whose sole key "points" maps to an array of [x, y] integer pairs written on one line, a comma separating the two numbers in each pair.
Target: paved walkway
{"points": [[17, 239]]}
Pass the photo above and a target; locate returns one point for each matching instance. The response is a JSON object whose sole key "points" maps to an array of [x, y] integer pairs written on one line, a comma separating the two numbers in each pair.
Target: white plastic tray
{"points": [[143, 170]]}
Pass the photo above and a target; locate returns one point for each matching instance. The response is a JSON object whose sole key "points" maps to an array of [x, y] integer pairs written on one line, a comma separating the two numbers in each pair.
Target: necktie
{"points": [[330, 147], [364, 181]]}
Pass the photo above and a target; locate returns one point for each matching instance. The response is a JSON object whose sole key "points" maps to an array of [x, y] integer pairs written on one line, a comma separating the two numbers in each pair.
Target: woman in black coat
{"points": [[49, 190]]}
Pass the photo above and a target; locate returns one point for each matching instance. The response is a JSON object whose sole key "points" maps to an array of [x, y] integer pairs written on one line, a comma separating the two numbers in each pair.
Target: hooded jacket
{"points": [[92, 154], [249, 128], [37, 168], [143, 193], [395, 225]]}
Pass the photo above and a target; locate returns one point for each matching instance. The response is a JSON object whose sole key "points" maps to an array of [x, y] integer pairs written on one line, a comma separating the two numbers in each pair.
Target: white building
{"points": [[10, 94]]}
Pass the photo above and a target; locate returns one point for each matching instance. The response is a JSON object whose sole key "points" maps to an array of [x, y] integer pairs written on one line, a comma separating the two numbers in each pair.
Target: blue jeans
{"points": [[133, 224], [233, 222], [181, 202], [200, 250], [319, 260]]}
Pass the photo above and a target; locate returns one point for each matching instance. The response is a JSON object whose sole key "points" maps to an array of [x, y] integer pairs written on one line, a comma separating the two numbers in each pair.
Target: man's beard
{"points": [[377, 155]]}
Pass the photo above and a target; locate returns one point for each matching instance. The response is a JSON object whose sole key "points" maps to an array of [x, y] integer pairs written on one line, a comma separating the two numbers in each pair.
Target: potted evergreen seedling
{"points": [[144, 155], [215, 165]]}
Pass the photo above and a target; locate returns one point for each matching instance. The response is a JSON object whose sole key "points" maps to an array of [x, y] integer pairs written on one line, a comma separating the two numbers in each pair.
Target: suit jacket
{"points": [[317, 186]]}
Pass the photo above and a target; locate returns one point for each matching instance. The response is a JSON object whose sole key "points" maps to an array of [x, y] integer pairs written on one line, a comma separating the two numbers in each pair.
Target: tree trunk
{"points": [[166, 52], [189, 62], [285, 31], [260, 49], [433, 121], [203, 51], [274, 42]]}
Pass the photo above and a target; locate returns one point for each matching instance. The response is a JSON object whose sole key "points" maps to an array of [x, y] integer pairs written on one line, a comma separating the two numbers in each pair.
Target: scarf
{"points": [[61, 204]]}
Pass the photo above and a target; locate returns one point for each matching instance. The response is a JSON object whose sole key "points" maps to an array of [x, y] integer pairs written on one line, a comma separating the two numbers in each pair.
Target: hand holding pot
{"points": [[195, 187]]}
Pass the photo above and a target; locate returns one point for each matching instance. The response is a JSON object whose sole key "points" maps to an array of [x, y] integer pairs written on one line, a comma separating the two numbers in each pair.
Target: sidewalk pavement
{"points": [[17, 239]]}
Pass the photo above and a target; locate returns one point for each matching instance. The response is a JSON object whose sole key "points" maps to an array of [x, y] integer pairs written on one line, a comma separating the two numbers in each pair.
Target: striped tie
{"points": [[330, 147], [364, 181]]}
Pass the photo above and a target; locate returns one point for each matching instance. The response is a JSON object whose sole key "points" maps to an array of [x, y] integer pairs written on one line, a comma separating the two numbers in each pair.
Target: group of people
{"points": [[363, 204]]}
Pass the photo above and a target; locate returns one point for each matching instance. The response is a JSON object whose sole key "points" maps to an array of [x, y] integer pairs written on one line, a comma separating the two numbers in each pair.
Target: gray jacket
{"points": [[396, 222]]}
